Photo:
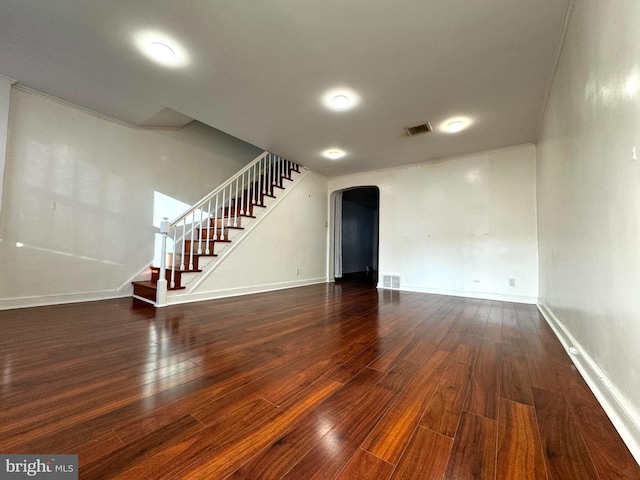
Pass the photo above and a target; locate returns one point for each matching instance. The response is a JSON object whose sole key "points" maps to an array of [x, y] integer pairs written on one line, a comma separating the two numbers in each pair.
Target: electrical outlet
{"points": [[298, 271], [512, 281]]}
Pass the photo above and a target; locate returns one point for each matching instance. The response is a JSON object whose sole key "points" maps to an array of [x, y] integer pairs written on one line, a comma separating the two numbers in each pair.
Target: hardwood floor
{"points": [[335, 381]]}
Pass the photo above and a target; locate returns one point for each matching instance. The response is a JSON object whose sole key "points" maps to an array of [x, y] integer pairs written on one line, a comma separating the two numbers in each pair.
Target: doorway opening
{"points": [[356, 224]]}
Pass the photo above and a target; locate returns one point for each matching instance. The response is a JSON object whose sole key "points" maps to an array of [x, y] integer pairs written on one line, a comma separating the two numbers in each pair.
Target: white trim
{"points": [[57, 299], [621, 413], [501, 297], [146, 300], [235, 292]]}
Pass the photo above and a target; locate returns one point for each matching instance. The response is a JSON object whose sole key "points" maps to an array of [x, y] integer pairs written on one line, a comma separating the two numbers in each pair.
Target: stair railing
{"points": [[210, 219]]}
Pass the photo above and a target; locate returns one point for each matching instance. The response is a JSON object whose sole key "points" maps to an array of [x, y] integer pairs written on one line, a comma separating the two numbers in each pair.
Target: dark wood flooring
{"points": [[334, 381]]}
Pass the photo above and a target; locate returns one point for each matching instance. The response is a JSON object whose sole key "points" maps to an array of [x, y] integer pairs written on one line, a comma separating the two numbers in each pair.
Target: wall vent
{"points": [[418, 128], [391, 281]]}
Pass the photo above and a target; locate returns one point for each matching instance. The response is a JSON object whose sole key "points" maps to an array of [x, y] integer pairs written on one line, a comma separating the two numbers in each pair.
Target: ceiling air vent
{"points": [[418, 128]]}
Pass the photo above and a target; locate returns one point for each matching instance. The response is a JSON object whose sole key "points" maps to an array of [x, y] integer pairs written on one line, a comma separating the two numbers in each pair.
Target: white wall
{"points": [[589, 204], [79, 195], [288, 248], [462, 226]]}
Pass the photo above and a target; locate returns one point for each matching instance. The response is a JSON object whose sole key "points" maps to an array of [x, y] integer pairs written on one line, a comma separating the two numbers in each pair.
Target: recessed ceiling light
{"points": [[455, 126], [340, 99], [162, 53], [340, 102], [334, 153], [161, 48]]}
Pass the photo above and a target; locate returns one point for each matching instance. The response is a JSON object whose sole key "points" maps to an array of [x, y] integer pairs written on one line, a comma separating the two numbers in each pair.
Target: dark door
{"points": [[360, 212]]}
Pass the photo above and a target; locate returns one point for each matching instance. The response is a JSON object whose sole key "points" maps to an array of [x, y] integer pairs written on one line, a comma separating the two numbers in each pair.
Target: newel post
{"points": [[161, 292]]}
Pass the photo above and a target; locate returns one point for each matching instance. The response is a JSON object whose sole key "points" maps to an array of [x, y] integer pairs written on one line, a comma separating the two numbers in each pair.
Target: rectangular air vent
{"points": [[418, 128], [391, 281]]}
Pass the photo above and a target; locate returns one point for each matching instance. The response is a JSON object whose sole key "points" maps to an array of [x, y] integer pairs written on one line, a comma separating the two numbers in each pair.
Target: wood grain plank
{"points": [[127, 456], [442, 413], [201, 457], [287, 450], [473, 455], [514, 375], [364, 466], [330, 456], [390, 437], [519, 448], [97, 447], [565, 452], [609, 454], [426, 456], [482, 395]]}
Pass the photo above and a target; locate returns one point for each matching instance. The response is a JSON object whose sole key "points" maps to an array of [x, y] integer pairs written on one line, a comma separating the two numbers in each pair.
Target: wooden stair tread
{"points": [[153, 285], [186, 270], [226, 227]]}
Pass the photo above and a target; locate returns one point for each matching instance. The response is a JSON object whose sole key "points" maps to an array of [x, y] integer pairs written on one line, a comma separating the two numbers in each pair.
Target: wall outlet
{"points": [[298, 271], [512, 281]]}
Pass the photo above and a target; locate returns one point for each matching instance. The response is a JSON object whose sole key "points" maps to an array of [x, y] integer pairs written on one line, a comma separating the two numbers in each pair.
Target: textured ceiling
{"points": [[258, 69]]}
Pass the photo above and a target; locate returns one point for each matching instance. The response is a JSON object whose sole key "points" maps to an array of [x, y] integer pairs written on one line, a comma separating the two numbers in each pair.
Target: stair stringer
{"points": [[193, 281]]}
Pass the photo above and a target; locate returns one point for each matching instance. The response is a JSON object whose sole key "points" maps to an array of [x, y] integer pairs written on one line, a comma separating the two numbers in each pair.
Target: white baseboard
{"points": [[177, 298], [43, 300], [531, 300], [621, 413]]}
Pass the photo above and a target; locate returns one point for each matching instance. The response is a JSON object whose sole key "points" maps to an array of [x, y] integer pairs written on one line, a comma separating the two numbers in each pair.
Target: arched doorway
{"points": [[356, 220]]}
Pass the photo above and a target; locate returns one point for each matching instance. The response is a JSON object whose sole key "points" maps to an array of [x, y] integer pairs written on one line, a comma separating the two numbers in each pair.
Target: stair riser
{"points": [[211, 232], [198, 245], [144, 292], [213, 223], [233, 213], [195, 260], [155, 274]]}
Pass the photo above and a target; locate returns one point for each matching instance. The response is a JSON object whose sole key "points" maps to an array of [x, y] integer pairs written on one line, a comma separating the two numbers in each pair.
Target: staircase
{"points": [[198, 240]]}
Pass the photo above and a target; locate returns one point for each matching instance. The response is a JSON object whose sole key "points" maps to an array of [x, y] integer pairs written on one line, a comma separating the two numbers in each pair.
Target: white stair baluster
{"points": [[235, 207], [173, 259], [184, 237], [263, 174], [229, 206], [254, 185], [242, 195], [271, 176], [222, 215], [193, 222], [275, 171], [206, 250], [200, 235], [215, 219], [267, 174], [278, 176]]}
